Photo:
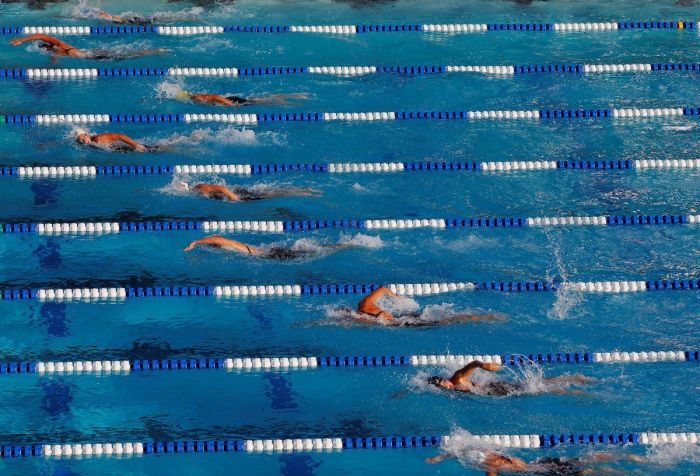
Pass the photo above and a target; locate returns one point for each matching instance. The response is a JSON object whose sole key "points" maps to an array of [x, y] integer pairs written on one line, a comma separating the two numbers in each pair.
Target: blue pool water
{"points": [[351, 401]]}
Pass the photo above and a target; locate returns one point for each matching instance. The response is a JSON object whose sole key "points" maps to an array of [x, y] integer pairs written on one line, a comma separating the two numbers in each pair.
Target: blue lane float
{"points": [[317, 362], [588, 27], [68, 171], [407, 289], [316, 117], [342, 70], [290, 226], [343, 443]]}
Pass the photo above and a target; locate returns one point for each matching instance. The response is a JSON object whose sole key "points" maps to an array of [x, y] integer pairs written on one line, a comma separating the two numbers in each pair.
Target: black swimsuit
{"points": [[239, 100], [127, 148], [501, 388], [559, 466], [136, 20], [284, 254], [248, 195]]}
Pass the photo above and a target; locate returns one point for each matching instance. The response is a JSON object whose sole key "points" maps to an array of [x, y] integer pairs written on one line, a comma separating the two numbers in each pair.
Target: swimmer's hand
{"points": [[190, 247], [438, 458], [497, 317], [491, 367], [16, 41]]}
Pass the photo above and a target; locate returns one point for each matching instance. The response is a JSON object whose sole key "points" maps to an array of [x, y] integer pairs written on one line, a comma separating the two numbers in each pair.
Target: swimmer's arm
{"points": [[371, 299], [220, 241], [368, 304], [230, 194], [45, 38], [439, 458], [114, 137], [465, 372], [211, 98], [381, 291], [110, 17]]}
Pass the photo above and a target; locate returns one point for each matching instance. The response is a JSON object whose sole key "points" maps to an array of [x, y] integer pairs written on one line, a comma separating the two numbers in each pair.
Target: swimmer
{"points": [[493, 463], [242, 194], [112, 140], [131, 19], [61, 48], [273, 252], [369, 307], [238, 101], [460, 382]]}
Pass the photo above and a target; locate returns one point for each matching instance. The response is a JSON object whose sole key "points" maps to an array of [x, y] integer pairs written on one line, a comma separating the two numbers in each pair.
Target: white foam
{"points": [[361, 240], [468, 450], [672, 454], [226, 135]]}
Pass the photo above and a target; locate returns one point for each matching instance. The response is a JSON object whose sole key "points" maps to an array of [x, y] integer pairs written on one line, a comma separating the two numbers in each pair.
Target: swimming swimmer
{"points": [[112, 140], [242, 194], [460, 382], [493, 463], [130, 19], [238, 101], [61, 48], [370, 308], [273, 252]]}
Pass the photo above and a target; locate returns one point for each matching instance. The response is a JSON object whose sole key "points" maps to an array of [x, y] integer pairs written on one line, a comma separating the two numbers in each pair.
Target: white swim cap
{"points": [[79, 131], [185, 185]]}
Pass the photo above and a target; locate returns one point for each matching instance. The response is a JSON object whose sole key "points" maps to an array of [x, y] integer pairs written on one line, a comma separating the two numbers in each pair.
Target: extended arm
{"points": [[211, 98], [465, 372], [45, 38], [114, 137], [219, 242], [228, 193], [110, 17], [439, 458]]}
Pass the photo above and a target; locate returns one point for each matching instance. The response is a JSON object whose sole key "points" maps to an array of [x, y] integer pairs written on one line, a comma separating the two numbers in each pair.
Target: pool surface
{"points": [[341, 402]]}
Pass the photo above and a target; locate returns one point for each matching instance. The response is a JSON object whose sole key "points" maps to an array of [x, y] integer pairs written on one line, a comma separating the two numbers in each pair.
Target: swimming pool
{"points": [[351, 401]]}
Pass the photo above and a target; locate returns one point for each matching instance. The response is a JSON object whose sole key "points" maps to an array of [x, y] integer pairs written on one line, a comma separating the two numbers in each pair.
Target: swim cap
{"points": [[183, 94], [185, 185], [435, 381], [79, 131]]}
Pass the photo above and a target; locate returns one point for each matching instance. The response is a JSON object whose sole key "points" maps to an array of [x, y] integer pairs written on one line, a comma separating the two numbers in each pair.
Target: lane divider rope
{"points": [[509, 70], [352, 29], [534, 441], [250, 119], [80, 171], [407, 289], [311, 362], [97, 228]]}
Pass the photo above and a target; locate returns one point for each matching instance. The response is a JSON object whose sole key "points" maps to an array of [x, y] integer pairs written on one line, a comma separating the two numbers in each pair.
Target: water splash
{"points": [[359, 188], [362, 241], [674, 453], [82, 10], [170, 89], [227, 135], [468, 451], [399, 306], [567, 298]]}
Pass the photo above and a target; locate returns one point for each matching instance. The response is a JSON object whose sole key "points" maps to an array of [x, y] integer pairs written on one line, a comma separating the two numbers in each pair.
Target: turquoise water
{"points": [[352, 402]]}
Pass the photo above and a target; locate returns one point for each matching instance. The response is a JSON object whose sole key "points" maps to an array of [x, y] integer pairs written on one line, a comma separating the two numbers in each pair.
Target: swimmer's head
{"points": [[440, 382], [183, 95], [184, 185], [82, 136]]}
